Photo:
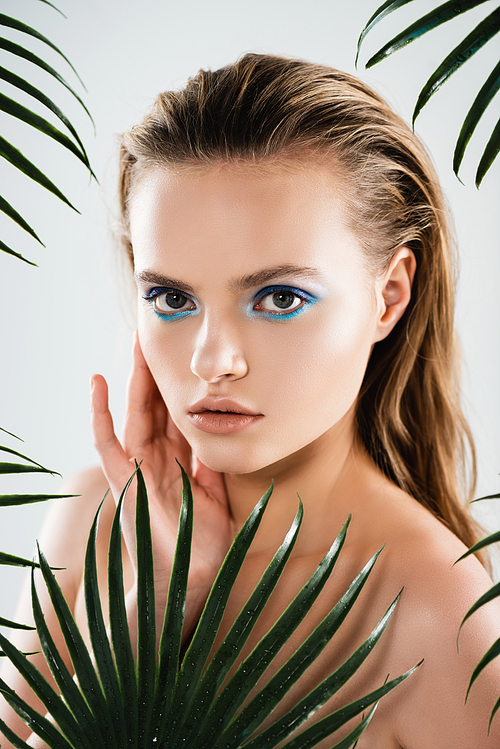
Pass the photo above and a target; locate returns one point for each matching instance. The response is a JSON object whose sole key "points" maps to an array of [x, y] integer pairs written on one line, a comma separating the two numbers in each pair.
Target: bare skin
{"points": [[206, 227]]}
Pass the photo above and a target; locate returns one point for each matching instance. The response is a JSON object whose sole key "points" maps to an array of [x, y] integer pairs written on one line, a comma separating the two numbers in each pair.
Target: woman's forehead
{"points": [[278, 216]]}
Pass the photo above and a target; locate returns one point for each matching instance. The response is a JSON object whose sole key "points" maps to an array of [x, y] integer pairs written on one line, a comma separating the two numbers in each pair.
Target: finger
{"points": [[180, 447], [143, 404], [114, 461]]}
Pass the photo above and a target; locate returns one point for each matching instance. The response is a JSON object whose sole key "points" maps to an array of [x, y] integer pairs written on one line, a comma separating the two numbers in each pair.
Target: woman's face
{"points": [[253, 288]]}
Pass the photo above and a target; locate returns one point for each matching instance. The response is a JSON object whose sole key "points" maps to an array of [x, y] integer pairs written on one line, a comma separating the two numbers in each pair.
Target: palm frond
{"points": [[14, 625], [430, 21], [113, 703], [494, 592], [388, 7], [14, 108], [478, 108], [471, 44], [468, 47]]}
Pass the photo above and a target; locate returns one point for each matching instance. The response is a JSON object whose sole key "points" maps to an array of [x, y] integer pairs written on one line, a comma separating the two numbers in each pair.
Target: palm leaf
{"points": [[489, 155], [9, 211], [98, 635], [9, 251], [104, 712], [237, 636], [10, 560], [492, 653], [14, 500], [240, 686], [492, 539], [432, 20], [17, 159], [119, 629], [474, 114], [40, 123], [262, 705], [489, 496], [171, 636], [19, 51], [53, 6], [490, 594], [146, 621], [14, 23], [211, 618], [49, 697], [80, 657], [5, 431], [13, 625], [38, 723], [35, 93], [388, 7], [472, 43], [15, 109]]}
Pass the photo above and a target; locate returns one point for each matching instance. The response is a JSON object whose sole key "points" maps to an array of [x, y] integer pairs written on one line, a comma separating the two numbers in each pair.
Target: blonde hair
{"points": [[265, 108]]}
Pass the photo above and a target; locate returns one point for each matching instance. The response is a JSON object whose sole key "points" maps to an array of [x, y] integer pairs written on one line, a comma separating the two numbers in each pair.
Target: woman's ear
{"points": [[394, 291]]}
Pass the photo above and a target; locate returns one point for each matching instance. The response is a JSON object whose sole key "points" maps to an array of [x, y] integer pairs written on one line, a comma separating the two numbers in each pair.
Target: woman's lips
{"points": [[217, 422]]}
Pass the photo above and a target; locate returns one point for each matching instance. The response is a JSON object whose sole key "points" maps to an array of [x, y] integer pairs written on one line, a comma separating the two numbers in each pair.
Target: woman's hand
{"points": [[153, 440]]}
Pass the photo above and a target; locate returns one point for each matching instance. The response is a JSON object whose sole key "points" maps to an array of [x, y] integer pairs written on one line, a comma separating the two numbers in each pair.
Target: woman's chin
{"points": [[236, 463]]}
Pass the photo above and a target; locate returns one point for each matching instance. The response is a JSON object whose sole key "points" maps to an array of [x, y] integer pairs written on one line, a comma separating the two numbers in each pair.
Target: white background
{"points": [[71, 316]]}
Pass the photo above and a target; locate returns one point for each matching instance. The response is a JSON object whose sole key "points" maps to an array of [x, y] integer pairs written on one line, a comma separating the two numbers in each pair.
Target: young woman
{"points": [[292, 256]]}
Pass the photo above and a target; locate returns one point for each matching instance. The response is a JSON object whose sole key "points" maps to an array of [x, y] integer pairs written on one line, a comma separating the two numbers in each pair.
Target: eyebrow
{"points": [[243, 283]]}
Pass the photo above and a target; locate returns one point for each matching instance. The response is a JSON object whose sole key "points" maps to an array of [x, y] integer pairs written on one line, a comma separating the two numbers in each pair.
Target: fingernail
{"points": [[91, 385]]}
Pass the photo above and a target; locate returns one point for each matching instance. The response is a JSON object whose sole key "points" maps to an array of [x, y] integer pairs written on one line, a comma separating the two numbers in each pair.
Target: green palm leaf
{"points": [[170, 642], [211, 618], [13, 625], [14, 500], [237, 636], [17, 159], [9, 251], [118, 624], [19, 51], [14, 23], [432, 20], [474, 114], [62, 676], [490, 595], [146, 622], [254, 714], [98, 635], [489, 155], [107, 708], [40, 123], [472, 43], [35, 93], [10, 560], [9, 211], [53, 6], [15, 109], [80, 656], [388, 7], [492, 653], [492, 539]]}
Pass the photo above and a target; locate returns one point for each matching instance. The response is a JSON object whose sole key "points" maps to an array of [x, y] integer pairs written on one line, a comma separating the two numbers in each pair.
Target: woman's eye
{"points": [[169, 303], [281, 301]]}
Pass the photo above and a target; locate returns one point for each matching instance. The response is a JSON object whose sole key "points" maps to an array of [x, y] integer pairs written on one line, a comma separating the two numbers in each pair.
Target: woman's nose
{"points": [[218, 353]]}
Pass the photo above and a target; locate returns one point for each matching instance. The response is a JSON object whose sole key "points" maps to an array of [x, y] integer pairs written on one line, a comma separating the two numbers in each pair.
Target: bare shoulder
{"points": [[437, 594], [66, 528]]}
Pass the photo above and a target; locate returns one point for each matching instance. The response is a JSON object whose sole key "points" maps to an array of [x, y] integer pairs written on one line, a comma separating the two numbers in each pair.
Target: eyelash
{"points": [[306, 298]]}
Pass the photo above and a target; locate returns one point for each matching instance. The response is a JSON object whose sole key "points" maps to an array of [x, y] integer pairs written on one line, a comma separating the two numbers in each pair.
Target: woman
{"points": [[290, 247]]}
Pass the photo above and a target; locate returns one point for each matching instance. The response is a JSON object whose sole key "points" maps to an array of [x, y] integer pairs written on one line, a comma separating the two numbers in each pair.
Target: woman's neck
{"points": [[328, 474]]}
